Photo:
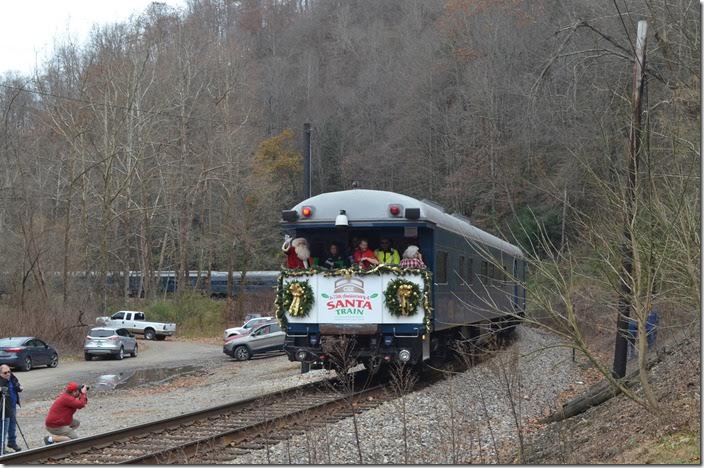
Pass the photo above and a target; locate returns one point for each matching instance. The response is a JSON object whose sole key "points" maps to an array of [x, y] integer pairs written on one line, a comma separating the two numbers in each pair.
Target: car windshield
{"points": [[101, 333], [11, 341], [252, 323]]}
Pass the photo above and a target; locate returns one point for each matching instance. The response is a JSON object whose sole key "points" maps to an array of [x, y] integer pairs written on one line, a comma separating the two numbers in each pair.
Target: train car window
{"points": [[470, 271], [460, 267], [441, 267], [485, 271]]}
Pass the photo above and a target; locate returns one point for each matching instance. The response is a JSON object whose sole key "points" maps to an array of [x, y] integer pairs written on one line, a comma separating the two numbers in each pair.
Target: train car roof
{"points": [[363, 205]]}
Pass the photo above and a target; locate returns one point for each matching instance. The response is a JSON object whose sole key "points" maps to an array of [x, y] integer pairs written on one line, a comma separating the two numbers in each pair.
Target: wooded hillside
{"points": [[172, 142]]}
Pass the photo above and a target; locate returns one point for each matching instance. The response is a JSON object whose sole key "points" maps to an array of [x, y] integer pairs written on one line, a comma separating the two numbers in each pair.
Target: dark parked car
{"points": [[25, 352]]}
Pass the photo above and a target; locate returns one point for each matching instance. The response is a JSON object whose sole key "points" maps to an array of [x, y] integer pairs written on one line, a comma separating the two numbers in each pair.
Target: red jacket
{"points": [[359, 255], [292, 260], [61, 411]]}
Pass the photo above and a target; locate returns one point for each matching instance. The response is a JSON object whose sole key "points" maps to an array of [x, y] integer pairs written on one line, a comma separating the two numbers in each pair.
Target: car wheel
{"points": [[88, 357], [149, 334], [134, 352], [241, 353], [27, 364], [121, 354], [160, 337], [54, 360]]}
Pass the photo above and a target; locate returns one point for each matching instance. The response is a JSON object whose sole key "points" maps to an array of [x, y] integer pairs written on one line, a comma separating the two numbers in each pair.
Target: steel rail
{"points": [[203, 446]]}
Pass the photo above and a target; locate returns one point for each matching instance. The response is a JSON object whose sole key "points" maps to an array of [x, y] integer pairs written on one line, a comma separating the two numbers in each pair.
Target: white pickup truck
{"points": [[135, 322]]}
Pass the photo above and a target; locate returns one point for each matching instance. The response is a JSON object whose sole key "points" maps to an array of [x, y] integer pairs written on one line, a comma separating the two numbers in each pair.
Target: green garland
{"points": [[356, 271], [397, 306]]}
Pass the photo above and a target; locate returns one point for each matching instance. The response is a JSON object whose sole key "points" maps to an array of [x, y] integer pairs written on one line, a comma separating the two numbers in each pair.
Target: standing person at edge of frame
{"points": [[12, 402], [386, 253], [60, 422]]}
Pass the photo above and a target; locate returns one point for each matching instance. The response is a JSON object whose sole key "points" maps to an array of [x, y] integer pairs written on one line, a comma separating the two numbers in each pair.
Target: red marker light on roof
{"points": [[395, 210], [307, 211]]}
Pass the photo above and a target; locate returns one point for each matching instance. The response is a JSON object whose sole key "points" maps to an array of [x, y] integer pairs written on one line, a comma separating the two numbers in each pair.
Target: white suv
{"points": [[246, 327]]}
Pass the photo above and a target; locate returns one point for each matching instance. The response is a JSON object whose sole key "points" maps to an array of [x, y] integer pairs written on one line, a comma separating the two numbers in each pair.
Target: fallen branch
{"points": [[598, 394]]}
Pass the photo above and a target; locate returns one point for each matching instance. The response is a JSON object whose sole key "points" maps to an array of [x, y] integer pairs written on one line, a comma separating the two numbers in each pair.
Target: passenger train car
{"points": [[473, 280], [215, 285]]}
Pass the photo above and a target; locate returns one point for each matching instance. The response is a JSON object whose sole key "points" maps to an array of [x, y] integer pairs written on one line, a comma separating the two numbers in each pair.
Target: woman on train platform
{"points": [[335, 260], [412, 258], [364, 257]]}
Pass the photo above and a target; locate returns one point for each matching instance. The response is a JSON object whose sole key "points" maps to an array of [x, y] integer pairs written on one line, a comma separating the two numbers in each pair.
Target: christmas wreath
{"points": [[402, 297], [297, 298]]}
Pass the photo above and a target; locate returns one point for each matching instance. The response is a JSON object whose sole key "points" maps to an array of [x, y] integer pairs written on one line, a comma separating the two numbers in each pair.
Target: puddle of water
{"points": [[143, 377], [108, 381]]}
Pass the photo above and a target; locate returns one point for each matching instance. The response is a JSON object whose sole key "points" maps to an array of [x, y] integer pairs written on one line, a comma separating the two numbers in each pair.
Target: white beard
{"points": [[302, 252]]}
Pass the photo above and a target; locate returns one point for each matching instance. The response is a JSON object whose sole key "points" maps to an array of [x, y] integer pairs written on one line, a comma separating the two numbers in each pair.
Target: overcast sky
{"points": [[31, 27]]}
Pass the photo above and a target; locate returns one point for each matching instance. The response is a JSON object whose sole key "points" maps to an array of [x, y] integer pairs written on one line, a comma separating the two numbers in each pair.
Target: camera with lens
{"points": [[4, 391]]}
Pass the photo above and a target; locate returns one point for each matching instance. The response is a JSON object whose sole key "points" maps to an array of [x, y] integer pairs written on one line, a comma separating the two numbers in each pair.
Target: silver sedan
{"points": [[104, 341]]}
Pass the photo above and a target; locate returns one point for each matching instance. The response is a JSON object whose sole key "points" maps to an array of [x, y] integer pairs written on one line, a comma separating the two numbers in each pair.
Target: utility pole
{"points": [[306, 161], [634, 138]]}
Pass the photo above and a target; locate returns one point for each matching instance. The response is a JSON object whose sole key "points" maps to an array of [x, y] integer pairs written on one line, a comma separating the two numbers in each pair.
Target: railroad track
{"points": [[214, 435], [222, 433]]}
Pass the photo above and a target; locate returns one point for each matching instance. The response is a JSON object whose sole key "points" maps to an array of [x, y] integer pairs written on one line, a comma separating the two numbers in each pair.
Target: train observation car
{"points": [[473, 280]]}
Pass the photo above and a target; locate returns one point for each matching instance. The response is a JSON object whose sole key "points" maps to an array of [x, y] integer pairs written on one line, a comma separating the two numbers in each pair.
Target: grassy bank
{"points": [[196, 315]]}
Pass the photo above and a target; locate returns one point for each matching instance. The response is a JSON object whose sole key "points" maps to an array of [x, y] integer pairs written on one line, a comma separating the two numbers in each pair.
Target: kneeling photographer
{"points": [[60, 421]]}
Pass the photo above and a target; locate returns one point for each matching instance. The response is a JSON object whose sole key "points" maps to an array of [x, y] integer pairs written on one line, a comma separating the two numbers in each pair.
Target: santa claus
{"points": [[297, 252]]}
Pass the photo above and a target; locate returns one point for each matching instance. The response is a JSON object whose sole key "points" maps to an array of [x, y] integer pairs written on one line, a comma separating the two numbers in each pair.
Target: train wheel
{"points": [[505, 331]]}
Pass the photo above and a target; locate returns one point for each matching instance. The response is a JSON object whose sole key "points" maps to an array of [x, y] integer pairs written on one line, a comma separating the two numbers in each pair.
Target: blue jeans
{"points": [[12, 430]]}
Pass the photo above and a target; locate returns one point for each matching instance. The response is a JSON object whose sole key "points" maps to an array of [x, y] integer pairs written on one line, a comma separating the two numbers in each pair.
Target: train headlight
{"points": [[301, 355], [404, 355]]}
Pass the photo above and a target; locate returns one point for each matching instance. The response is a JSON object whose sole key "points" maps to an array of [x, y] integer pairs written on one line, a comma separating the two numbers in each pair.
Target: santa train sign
{"points": [[351, 299], [348, 299]]}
